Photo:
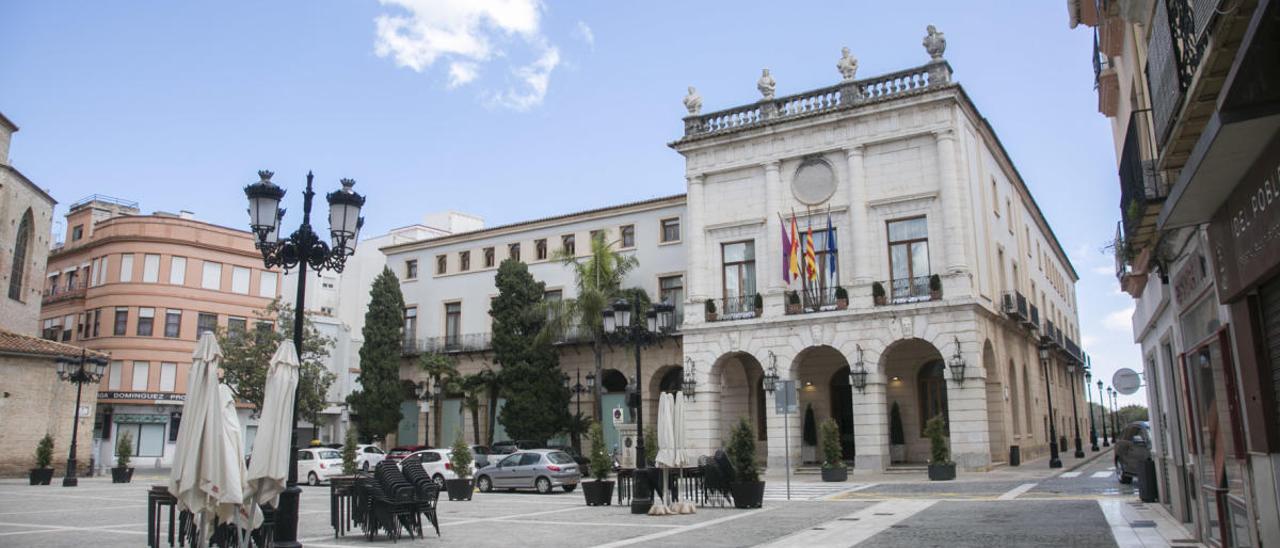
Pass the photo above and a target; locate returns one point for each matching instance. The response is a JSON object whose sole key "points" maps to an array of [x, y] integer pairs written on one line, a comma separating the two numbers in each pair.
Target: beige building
{"points": [[33, 401], [142, 288]]}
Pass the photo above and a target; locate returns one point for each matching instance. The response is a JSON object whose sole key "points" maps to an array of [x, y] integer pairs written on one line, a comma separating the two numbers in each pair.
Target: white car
{"points": [[368, 457], [437, 464], [317, 464]]}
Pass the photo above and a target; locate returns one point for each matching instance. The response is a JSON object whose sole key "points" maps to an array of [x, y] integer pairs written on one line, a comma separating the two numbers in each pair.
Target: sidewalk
{"points": [[1031, 470], [1139, 525]]}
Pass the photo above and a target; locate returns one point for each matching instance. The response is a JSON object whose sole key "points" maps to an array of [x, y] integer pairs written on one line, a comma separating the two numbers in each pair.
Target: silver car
{"points": [[541, 469]]}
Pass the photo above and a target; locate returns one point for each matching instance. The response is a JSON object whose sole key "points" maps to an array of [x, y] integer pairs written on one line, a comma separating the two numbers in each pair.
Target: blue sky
{"points": [[512, 109]]}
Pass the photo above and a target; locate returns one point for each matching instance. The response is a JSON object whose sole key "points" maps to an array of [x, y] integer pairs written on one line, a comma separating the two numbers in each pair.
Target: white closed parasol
{"points": [[269, 465]]}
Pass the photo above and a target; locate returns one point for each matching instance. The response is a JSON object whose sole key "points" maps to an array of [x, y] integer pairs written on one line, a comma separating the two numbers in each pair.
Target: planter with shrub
{"points": [[42, 474], [598, 492], [877, 293], [842, 298], [935, 287], [833, 467], [940, 466], [461, 487], [122, 473], [758, 301], [793, 302], [710, 308], [746, 487]]}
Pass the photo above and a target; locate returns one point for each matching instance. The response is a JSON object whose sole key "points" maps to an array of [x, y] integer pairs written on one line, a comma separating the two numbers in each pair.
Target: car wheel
{"points": [[484, 484], [313, 480], [439, 479], [365, 466], [543, 485], [1121, 475], [569, 488]]}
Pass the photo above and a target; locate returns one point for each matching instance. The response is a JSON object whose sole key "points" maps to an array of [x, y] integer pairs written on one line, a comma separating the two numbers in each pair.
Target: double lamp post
{"points": [[81, 371], [301, 249]]}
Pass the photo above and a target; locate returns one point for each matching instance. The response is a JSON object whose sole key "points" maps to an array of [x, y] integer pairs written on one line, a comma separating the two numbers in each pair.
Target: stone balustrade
{"points": [[843, 95]]}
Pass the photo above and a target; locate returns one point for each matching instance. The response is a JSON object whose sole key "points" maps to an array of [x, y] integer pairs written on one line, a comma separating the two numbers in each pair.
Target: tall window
{"points": [[442, 264], [178, 270], [121, 321], [18, 271], [452, 323], [267, 284], [597, 235], [172, 323], [141, 376], [240, 280], [739, 271], [513, 251], [206, 321], [540, 249], [671, 230], [77, 232], [411, 269], [488, 257], [150, 268], [671, 290], [168, 376], [464, 260], [126, 267], [115, 374], [211, 277], [410, 323], [628, 235], [909, 258], [146, 321], [568, 245], [237, 326], [97, 320]]}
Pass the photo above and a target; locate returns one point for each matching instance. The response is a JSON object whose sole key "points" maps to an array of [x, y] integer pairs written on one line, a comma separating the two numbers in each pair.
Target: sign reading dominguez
{"points": [[143, 396], [1245, 232]]}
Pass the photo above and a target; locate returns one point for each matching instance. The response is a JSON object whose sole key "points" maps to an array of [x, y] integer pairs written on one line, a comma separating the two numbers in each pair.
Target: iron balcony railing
{"points": [[1050, 335], [1035, 317], [738, 307], [1179, 33], [815, 300], [450, 344], [1014, 305], [909, 290], [1142, 189], [63, 292], [1072, 349]]}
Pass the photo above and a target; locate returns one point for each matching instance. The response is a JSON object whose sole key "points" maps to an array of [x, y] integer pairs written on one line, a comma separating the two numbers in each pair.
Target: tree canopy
{"points": [[246, 358], [537, 406], [376, 405]]}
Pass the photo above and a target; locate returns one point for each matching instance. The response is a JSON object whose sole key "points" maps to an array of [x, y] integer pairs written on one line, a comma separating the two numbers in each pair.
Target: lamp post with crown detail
{"points": [[301, 249], [81, 371]]}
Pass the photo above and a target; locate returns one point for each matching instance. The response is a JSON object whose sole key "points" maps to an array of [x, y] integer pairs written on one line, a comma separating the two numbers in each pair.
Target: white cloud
{"points": [[1087, 341], [467, 34], [1120, 321], [1104, 270], [585, 34]]}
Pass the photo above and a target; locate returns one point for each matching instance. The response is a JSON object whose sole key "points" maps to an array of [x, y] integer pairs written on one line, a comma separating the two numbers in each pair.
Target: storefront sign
{"points": [[145, 419], [1190, 279], [143, 396], [1245, 231]]}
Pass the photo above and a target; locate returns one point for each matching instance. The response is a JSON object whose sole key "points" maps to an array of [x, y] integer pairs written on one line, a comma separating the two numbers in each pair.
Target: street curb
{"points": [[1087, 460]]}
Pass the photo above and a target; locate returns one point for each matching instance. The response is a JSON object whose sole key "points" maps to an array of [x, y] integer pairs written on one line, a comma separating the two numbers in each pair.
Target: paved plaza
{"points": [[1080, 505]]}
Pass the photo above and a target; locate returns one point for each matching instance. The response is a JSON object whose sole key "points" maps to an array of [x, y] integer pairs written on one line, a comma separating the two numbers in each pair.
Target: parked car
{"points": [[582, 461], [437, 464], [399, 452], [1133, 448], [318, 464], [507, 447], [480, 454], [540, 469], [368, 456]]}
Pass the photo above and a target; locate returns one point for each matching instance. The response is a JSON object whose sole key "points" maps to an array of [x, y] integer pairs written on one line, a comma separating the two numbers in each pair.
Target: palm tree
{"points": [[439, 368], [598, 277], [471, 386]]}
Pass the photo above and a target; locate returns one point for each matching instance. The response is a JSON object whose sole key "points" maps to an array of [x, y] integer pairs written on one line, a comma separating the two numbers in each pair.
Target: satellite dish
{"points": [[1126, 381]]}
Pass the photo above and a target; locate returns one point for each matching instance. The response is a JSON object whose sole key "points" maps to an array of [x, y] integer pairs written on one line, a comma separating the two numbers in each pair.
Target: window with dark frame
{"points": [[540, 249], [671, 290], [452, 323], [442, 264], [172, 323], [909, 258], [410, 324], [671, 230], [77, 232], [488, 257], [206, 321], [628, 235], [146, 321], [568, 244], [121, 321], [17, 272], [411, 269], [464, 260], [237, 326], [97, 320], [513, 251], [738, 275]]}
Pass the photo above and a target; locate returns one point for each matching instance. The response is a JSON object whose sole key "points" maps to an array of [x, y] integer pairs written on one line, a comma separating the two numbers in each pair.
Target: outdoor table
{"points": [[342, 502], [158, 498], [691, 486]]}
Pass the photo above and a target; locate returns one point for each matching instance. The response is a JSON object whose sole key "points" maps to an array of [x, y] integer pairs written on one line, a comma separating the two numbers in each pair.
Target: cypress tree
{"points": [[537, 405], [377, 404]]}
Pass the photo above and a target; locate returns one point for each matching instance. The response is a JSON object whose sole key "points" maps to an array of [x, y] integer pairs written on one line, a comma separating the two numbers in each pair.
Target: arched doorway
{"points": [[915, 379], [822, 372], [735, 391], [613, 387], [842, 411], [996, 395], [668, 379]]}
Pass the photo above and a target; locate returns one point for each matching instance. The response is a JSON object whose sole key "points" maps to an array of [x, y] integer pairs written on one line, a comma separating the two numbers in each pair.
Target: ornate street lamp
{"points": [[1075, 415], [1088, 393], [302, 249], [1054, 461], [689, 384], [1115, 413], [770, 380], [858, 373], [81, 371], [957, 364], [1102, 415], [618, 326]]}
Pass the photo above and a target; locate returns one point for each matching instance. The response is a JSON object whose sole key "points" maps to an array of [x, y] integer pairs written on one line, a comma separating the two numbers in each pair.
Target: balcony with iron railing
{"points": [[1142, 188], [1049, 335], [738, 307], [450, 344], [59, 293], [817, 299], [910, 290], [1072, 349], [1014, 305], [1035, 318]]}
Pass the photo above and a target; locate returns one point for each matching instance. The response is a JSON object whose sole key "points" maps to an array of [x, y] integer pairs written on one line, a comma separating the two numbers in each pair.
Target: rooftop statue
{"points": [[693, 101], [766, 85], [935, 43], [847, 65]]}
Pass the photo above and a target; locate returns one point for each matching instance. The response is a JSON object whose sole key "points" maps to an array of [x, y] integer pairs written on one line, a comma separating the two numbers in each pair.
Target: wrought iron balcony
{"points": [[1073, 350], [816, 300], [1142, 188], [63, 293], [450, 344], [909, 290], [1035, 318], [739, 307], [1014, 305]]}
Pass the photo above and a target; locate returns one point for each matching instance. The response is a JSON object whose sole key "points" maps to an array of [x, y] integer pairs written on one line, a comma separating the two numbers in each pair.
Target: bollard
{"points": [[1015, 455], [1147, 490]]}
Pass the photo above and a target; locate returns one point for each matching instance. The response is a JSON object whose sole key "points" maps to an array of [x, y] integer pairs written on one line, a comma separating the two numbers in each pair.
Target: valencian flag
{"points": [[793, 254], [810, 261], [786, 251]]}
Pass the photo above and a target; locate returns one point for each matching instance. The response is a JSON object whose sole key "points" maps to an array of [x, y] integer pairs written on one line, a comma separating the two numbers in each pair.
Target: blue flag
{"points": [[831, 248]]}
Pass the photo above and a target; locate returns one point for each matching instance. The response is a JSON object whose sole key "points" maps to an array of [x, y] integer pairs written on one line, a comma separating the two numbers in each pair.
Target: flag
{"points": [[831, 249], [794, 255], [810, 261], [786, 252]]}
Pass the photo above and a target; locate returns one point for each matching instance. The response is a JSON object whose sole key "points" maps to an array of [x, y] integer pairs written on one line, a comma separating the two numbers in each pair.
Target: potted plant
{"points": [[940, 466], [842, 298], [833, 468], [42, 474], [746, 487], [460, 488], [600, 491], [897, 438], [710, 307], [349, 453], [122, 473], [758, 301], [877, 293], [935, 287], [793, 302]]}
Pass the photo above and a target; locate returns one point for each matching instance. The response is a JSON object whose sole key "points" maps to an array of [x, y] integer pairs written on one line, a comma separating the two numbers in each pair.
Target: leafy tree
{"points": [[377, 404], [44, 452], [600, 462], [650, 444], [349, 453], [742, 452], [579, 424], [935, 429], [440, 369], [472, 387], [1131, 413], [537, 405], [124, 450], [246, 359], [831, 444], [460, 457], [598, 280]]}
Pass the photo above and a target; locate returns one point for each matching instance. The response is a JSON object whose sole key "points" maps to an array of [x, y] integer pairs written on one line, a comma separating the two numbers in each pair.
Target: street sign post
{"points": [[1126, 381], [786, 404]]}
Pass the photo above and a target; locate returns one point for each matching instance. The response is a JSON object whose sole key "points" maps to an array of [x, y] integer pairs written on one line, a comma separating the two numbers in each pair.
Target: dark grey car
{"points": [[541, 469], [1133, 448]]}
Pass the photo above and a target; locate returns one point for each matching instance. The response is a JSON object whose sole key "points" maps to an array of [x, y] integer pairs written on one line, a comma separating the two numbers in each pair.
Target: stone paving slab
{"points": [[956, 524]]}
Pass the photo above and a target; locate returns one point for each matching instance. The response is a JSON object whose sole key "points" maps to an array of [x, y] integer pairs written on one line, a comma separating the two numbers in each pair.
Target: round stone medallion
{"points": [[814, 182]]}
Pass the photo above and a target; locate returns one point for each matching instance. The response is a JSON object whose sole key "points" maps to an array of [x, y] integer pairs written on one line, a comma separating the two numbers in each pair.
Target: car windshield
{"points": [[330, 455], [559, 458]]}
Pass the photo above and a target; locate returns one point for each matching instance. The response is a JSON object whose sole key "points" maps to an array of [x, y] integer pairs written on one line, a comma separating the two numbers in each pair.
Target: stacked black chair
{"points": [[716, 475], [401, 495], [428, 491], [376, 509]]}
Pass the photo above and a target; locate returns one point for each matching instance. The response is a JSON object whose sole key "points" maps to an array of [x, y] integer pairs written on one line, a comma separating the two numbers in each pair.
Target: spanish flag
{"points": [[810, 261], [793, 254]]}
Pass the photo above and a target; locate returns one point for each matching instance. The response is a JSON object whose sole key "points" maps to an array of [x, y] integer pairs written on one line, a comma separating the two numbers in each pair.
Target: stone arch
{"points": [[903, 362], [666, 379], [821, 373], [996, 395], [1015, 402], [734, 390]]}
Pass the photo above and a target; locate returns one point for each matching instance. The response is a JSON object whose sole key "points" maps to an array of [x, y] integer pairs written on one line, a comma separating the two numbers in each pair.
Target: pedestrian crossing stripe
{"points": [[803, 491], [1103, 474], [1070, 474]]}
